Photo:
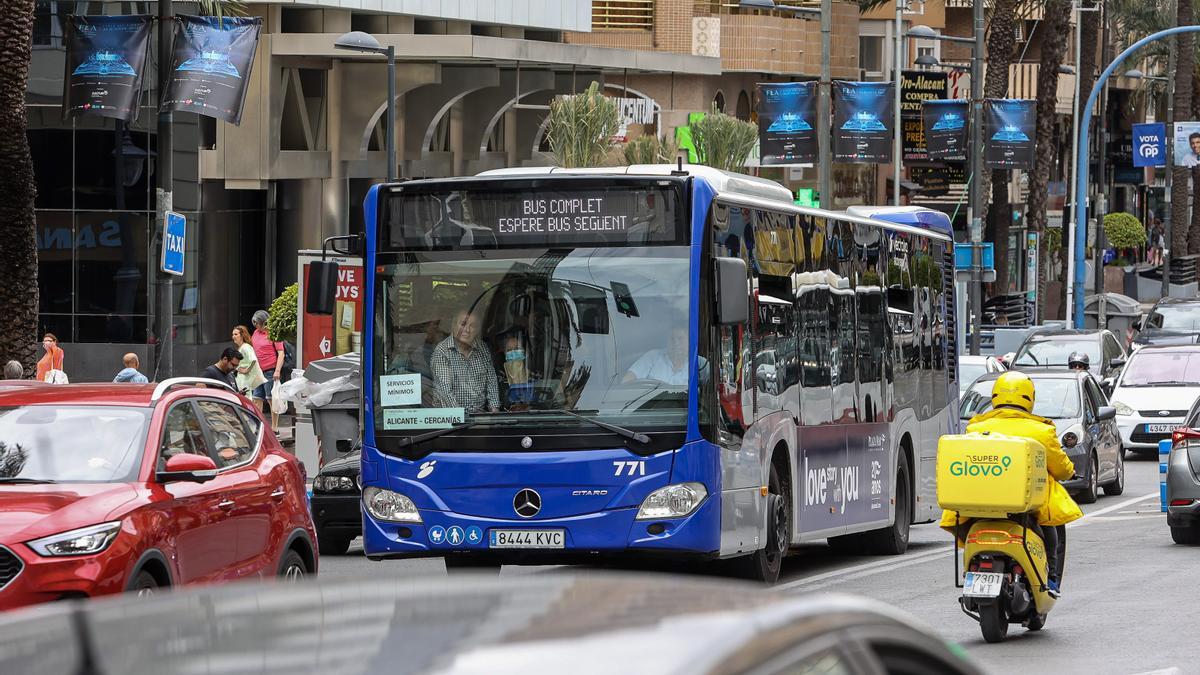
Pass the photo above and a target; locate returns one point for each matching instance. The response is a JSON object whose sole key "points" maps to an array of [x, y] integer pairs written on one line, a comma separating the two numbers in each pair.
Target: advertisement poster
{"points": [[1008, 133], [211, 65], [862, 122], [106, 58], [916, 87], [322, 336], [1187, 144], [945, 125], [786, 122]]}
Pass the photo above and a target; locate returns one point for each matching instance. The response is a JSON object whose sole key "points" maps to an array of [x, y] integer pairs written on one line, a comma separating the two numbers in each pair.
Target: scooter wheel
{"points": [[1036, 622], [992, 622]]}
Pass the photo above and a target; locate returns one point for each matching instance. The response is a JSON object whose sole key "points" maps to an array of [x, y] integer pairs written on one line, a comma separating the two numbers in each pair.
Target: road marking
{"points": [[1164, 671], [867, 569]]}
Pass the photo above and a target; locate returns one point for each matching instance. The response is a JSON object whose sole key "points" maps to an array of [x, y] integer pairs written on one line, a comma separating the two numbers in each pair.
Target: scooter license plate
{"points": [[982, 584]]}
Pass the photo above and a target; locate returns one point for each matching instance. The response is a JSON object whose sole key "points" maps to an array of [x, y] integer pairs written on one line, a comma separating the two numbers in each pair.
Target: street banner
{"points": [[1009, 133], [916, 87], [786, 117], [1187, 144], [210, 66], [106, 58], [945, 125], [862, 121]]}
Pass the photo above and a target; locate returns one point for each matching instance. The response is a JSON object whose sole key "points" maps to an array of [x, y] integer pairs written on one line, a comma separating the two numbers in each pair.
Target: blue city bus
{"points": [[566, 366]]}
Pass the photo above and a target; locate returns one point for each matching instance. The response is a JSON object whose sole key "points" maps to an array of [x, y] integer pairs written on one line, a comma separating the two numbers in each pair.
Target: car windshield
{"points": [[71, 443], [1175, 317], [502, 335], [969, 372], [1055, 398], [1147, 369], [1056, 352]]}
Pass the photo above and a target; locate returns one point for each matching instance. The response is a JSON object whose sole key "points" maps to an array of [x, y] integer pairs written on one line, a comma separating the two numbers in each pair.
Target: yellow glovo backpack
{"points": [[990, 475]]}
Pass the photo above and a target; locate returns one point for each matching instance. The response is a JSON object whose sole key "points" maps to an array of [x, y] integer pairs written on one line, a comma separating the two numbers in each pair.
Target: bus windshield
{"points": [[496, 308]]}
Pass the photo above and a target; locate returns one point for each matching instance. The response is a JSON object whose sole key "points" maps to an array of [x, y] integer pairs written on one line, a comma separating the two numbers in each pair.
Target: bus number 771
{"points": [[633, 468]]}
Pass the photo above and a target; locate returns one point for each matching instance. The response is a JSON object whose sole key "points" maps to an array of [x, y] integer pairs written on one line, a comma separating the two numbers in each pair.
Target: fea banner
{"points": [[862, 121], [945, 125], [1150, 144], [786, 122], [1009, 133], [916, 87], [106, 59], [210, 66]]}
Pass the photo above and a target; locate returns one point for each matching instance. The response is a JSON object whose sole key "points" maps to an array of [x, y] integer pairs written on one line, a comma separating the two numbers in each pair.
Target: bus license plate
{"points": [[1160, 428], [526, 538], [982, 584]]}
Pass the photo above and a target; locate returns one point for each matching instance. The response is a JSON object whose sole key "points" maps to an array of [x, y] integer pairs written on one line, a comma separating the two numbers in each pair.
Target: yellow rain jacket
{"points": [[1059, 508]]}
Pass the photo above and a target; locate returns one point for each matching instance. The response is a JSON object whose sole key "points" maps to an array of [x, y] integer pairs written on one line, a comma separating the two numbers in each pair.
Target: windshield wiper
{"points": [[620, 431], [430, 435], [24, 481], [1171, 383]]}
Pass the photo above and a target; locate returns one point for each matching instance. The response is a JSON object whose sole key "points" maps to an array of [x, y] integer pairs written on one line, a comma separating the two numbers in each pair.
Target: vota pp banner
{"points": [[862, 121], [210, 66], [106, 57], [1009, 133], [945, 123], [786, 122]]}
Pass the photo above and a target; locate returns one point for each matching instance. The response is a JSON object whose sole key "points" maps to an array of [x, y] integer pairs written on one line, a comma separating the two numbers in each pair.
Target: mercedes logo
{"points": [[527, 503]]}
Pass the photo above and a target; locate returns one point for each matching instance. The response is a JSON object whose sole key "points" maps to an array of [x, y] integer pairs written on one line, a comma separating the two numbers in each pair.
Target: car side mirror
{"points": [[733, 298], [188, 468], [1107, 385], [1106, 412]]}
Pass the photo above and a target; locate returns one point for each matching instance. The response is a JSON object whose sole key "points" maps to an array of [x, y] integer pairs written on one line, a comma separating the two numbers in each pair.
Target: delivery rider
{"points": [[1012, 415]]}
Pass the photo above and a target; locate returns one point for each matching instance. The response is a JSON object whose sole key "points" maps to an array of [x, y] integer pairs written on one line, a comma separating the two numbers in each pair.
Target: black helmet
{"points": [[1078, 360]]}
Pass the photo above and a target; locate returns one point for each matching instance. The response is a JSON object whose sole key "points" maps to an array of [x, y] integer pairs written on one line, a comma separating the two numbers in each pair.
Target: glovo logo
{"points": [[969, 468]]}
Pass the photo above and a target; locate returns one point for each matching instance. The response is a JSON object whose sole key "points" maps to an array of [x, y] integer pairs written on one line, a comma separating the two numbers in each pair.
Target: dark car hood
{"points": [[349, 465], [32, 511], [594, 623]]}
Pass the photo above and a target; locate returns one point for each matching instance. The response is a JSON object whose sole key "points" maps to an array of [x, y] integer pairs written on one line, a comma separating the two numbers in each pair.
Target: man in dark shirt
{"points": [[224, 369]]}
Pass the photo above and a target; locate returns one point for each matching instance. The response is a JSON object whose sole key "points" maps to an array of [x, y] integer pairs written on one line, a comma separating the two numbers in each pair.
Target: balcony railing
{"points": [[636, 15], [717, 7]]}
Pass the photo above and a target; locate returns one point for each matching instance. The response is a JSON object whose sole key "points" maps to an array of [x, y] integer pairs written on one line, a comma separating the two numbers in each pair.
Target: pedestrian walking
{"points": [[130, 372], [13, 370], [249, 375], [270, 358], [51, 360]]}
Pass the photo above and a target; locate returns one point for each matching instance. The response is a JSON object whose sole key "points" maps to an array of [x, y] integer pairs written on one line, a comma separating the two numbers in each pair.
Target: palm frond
{"points": [[222, 8]]}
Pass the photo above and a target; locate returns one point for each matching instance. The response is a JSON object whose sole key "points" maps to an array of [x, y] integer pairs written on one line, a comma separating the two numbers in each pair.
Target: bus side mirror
{"points": [[322, 285], [733, 300]]}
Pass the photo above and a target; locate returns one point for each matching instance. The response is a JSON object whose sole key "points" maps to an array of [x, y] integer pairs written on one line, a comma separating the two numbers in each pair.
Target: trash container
{"points": [[1121, 311], [336, 423]]}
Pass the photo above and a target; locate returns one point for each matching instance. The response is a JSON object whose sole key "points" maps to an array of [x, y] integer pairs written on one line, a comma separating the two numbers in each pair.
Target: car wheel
{"points": [[331, 545], [1091, 493], [1117, 486], [765, 564], [1187, 536], [144, 585], [293, 567]]}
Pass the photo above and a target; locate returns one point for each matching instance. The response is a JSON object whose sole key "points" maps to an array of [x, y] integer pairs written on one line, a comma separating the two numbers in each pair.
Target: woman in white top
{"points": [[249, 374]]}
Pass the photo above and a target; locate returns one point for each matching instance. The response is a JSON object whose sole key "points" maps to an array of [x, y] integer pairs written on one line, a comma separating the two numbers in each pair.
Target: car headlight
{"points": [[1122, 409], [673, 501], [390, 506], [84, 541], [333, 484]]}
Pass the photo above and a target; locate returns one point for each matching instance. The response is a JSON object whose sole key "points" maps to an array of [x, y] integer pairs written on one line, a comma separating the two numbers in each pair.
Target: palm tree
{"points": [[18, 243], [1001, 48], [1185, 66], [1055, 28]]}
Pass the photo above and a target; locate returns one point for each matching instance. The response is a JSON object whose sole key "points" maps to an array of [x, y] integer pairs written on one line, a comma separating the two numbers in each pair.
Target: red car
{"points": [[119, 487]]}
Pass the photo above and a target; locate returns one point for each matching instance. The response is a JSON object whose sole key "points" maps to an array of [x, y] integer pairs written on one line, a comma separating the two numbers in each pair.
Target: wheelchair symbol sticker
{"points": [[474, 535]]}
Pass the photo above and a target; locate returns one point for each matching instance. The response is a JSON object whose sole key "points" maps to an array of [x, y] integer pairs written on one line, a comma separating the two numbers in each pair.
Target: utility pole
{"points": [[825, 103], [898, 77], [164, 306], [976, 228], [1170, 133]]}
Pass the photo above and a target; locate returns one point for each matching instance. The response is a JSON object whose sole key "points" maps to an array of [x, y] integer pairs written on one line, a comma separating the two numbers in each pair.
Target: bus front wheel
{"points": [[764, 564]]}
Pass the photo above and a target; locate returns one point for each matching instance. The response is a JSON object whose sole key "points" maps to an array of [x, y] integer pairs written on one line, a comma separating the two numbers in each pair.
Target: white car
{"points": [[971, 367], [1153, 394]]}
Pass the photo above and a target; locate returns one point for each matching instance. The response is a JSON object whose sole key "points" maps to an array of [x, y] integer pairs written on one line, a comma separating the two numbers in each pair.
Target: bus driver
{"points": [[669, 365]]}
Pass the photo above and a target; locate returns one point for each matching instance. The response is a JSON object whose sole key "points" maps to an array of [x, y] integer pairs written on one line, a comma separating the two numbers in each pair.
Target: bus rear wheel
{"points": [[765, 564]]}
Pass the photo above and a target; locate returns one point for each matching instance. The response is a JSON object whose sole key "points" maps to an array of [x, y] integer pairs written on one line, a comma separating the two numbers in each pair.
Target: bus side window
{"points": [[844, 330]]}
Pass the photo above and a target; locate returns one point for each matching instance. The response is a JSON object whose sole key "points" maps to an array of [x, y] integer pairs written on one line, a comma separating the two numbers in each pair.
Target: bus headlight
{"points": [[389, 506], [673, 501]]}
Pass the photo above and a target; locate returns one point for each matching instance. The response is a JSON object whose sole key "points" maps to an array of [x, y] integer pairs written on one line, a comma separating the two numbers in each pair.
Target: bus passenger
{"points": [[462, 367]]}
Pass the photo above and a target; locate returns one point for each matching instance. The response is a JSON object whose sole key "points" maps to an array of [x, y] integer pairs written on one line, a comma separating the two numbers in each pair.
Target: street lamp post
{"points": [[1068, 226], [358, 41], [164, 318], [1168, 161], [976, 143], [897, 77]]}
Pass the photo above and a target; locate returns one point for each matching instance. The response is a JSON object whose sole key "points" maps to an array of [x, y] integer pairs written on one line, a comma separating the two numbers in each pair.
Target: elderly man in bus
{"points": [[462, 367], [668, 365]]}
